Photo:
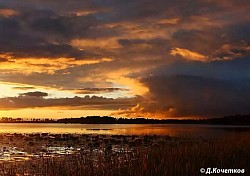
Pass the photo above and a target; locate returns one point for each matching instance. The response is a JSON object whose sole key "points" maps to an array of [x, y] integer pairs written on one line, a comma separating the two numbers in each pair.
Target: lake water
{"points": [[188, 130]]}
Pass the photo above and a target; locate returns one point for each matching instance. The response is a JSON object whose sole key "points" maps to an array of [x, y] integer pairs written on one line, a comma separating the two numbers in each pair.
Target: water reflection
{"points": [[124, 129], [12, 154]]}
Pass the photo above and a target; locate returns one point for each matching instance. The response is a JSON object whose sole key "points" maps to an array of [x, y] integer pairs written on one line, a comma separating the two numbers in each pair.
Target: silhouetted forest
{"points": [[228, 120]]}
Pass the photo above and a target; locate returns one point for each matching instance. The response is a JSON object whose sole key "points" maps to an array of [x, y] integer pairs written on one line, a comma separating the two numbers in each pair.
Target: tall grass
{"points": [[176, 158]]}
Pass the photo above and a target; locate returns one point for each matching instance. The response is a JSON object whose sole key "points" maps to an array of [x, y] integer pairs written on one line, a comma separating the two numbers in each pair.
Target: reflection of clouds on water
{"points": [[123, 129], [13, 154], [38, 146], [60, 150]]}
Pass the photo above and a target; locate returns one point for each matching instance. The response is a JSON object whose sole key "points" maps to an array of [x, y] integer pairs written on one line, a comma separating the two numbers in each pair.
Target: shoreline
{"points": [[208, 124]]}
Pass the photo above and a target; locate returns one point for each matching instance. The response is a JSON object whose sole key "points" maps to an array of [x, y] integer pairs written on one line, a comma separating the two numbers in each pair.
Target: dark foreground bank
{"points": [[129, 155]]}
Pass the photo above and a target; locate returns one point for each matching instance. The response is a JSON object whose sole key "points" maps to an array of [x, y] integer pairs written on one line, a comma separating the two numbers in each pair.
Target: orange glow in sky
{"points": [[162, 59]]}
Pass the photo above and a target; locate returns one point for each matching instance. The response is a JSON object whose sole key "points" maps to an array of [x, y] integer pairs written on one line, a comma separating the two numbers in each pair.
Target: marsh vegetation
{"points": [[77, 155]]}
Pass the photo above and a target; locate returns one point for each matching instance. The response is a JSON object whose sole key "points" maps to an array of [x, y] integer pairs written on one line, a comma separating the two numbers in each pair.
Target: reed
{"points": [[175, 158]]}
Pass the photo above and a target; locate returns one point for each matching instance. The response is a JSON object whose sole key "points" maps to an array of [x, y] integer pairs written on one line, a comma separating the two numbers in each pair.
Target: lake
{"points": [[188, 130]]}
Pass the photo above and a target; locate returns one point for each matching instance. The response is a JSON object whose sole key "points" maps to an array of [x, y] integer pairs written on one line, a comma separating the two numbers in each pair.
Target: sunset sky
{"points": [[125, 58]]}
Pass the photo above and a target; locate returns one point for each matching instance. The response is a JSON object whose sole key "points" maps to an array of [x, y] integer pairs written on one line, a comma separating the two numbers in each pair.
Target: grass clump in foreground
{"points": [[175, 158]]}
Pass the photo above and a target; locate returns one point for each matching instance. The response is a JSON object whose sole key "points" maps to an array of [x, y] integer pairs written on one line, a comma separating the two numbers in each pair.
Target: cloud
{"points": [[3, 60], [230, 51], [190, 96], [98, 90], [224, 53], [7, 12], [34, 94], [37, 100], [194, 89], [24, 88], [198, 96], [189, 55], [48, 65], [99, 46]]}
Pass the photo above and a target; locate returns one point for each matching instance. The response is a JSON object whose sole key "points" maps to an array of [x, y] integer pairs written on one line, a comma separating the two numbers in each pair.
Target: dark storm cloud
{"points": [[124, 10], [55, 25], [196, 51], [197, 96], [46, 30], [19, 38], [44, 33], [232, 70], [196, 89]]}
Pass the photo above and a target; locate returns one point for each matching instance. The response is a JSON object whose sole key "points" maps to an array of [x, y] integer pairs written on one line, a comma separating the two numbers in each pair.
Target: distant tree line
{"points": [[243, 120], [228, 120], [21, 120]]}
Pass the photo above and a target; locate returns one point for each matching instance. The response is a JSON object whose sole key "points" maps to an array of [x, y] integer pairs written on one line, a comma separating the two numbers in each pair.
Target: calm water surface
{"points": [[128, 129]]}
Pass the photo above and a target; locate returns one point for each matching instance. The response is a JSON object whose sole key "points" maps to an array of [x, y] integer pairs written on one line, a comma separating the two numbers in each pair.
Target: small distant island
{"points": [[241, 120]]}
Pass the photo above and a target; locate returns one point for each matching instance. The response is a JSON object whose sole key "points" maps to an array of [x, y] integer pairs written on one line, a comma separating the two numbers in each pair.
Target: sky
{"points": [[124, 58]]}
